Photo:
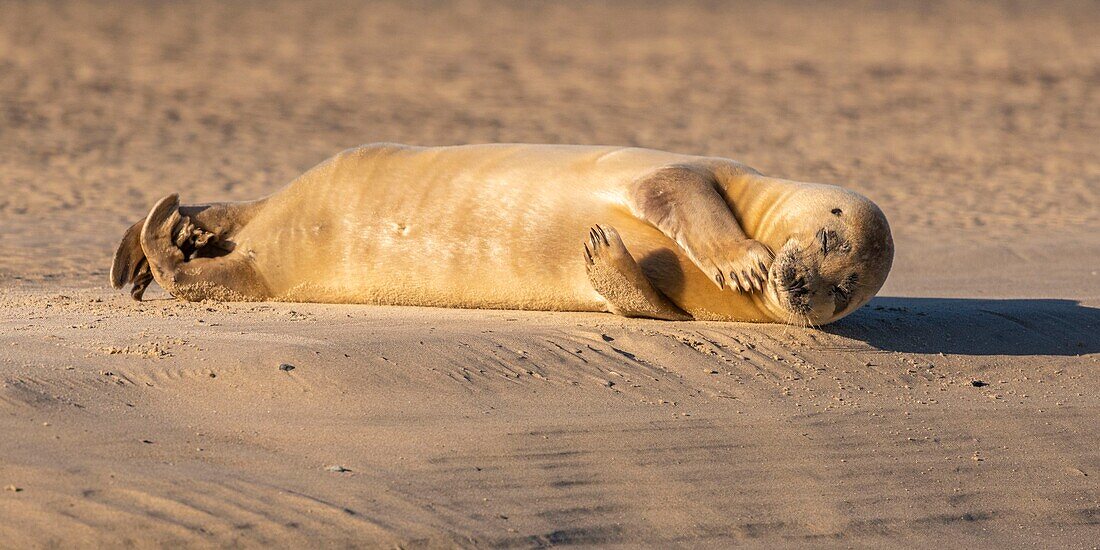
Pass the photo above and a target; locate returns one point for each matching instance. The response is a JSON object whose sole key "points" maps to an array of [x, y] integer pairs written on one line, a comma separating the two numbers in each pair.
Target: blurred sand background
{"points": [[973, 125]]}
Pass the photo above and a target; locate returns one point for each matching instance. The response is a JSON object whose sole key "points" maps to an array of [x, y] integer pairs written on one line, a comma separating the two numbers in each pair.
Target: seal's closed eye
{"points": [[841, 298], [828, 239], [842, 293]]}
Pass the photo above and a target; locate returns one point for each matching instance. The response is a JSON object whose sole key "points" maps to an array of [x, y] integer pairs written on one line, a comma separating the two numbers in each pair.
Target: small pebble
{"points": [[13, 488], [286, 367], [337, 468], [978, 383]]}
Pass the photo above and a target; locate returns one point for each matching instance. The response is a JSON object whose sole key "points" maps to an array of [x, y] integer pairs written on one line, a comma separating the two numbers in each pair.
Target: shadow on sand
{"points": [[968, 326]]}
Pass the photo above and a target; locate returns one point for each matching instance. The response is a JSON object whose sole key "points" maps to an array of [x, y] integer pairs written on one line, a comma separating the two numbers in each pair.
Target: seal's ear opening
{"points": [[130, 264]]}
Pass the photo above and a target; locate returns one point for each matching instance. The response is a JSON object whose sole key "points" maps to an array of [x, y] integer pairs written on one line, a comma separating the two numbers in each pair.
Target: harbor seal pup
{"points": [[631, 231]]}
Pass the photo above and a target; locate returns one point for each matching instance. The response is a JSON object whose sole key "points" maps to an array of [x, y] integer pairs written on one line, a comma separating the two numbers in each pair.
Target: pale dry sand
{"points": [[973, 125]]}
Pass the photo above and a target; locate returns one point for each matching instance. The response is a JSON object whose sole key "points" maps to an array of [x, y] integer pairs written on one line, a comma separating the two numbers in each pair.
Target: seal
{"points": [[636, 232]]}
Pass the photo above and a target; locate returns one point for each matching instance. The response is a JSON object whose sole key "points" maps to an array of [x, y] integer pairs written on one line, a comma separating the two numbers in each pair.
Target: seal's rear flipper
{"points": [[130, 265], [188, 261], [615, 274]]}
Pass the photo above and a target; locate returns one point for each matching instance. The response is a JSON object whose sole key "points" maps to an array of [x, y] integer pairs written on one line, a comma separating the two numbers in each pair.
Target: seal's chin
{"points": [[795, 310]]}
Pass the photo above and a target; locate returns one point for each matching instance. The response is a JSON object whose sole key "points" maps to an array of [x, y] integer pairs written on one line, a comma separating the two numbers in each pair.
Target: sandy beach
{"points": [[959, 408]]}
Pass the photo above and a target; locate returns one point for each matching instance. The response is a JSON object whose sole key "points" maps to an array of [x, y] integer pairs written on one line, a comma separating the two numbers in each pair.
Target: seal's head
{"points": [[836, 257]]}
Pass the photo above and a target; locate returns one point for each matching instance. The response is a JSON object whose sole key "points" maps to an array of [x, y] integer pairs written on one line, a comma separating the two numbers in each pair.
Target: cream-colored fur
{"points": [[503, 226]]}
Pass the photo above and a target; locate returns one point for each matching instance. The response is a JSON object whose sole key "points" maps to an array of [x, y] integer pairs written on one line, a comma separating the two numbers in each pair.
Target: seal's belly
{"points": [[478, 227], [502, 258]]}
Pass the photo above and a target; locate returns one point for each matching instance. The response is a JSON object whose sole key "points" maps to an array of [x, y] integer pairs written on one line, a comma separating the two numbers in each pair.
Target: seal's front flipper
{"points": [[684, 203], [187, 261], [619, 279]]}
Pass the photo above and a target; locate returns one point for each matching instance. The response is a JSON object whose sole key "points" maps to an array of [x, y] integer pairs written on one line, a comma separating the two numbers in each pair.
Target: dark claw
{"points": [[603, 236]]}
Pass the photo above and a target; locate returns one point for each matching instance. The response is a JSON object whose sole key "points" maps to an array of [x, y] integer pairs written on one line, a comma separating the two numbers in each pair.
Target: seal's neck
{"points": [[760, 205]]}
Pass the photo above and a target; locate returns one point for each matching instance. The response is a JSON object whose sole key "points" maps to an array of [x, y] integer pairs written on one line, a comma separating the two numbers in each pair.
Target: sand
{"points": [[961, 407]]}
